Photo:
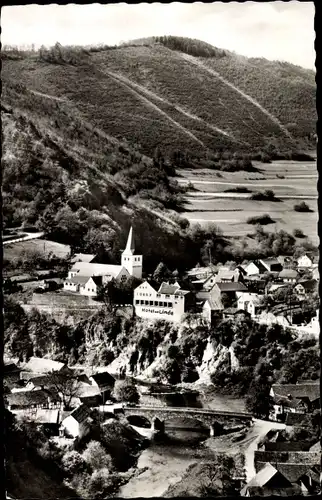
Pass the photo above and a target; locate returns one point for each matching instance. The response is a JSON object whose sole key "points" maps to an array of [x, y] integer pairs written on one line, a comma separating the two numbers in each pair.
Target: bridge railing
{"points": [[195, 411]]}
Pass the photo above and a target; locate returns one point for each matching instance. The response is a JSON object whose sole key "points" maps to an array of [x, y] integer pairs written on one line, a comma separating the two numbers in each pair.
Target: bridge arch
{"points": [[139, 421]]}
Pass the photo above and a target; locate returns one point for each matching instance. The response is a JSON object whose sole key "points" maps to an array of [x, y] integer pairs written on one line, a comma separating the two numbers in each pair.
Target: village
{"points": [[65, 401]]}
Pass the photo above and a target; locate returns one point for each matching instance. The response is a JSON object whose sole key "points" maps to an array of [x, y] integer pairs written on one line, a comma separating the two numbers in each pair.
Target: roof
{"points": [[308, 285], [225, 274], [215, 304], [288, 273], [310, 390], [271, 261], [43, 365], [292, 471], [200, 270], [262, 477], [98, 280], [168, 289], [80, 414], [103, 379], [90, 269], [316, 447], [253, 297], [40, 415], [82, 257], [231, 287], [78, 280], [234, 310], [28, 398], [130, 246]]}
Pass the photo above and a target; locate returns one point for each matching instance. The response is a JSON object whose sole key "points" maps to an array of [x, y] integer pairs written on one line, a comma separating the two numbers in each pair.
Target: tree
{"points": [[66, 385], [126, 391], [73, 463], [161, 273], [97, 457], [259, 401], [102, 484]]}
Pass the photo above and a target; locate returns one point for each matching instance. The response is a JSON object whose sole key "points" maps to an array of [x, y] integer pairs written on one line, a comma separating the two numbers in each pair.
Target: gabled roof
{"points": [[271, 261], [234, 310], [292, 471], [288, 273], [83, 257], [29, 398], [98, 280], [308, 285], [232, 287], [103, 379], [174, 289], [261, 268], [78, 280], [43, 365], [215, 304], [39, 415], [261, 478], [90, 269], [80, 414], [310, 391]]}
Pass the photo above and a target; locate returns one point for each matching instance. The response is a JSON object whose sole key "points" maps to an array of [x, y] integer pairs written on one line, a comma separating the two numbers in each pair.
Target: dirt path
{"points": [[273, 118], [150, 104]]}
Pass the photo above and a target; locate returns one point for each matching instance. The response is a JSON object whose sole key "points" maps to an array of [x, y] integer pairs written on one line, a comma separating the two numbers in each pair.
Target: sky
{"points": [[274, 30]]}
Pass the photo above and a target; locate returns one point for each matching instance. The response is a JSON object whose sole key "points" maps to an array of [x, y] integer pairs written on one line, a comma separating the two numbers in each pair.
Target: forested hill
{"points": [[173, 93]]}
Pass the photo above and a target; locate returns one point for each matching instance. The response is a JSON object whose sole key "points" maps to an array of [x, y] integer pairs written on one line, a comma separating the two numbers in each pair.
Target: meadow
{"points": [[292, 182], [15, 251]]}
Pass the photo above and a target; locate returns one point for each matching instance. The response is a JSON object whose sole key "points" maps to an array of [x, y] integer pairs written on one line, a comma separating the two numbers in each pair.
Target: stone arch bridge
{"points": [[158, 415]]}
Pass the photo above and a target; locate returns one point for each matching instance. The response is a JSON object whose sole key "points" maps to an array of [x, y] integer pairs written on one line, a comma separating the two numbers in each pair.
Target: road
{"points": [[29, 236]]}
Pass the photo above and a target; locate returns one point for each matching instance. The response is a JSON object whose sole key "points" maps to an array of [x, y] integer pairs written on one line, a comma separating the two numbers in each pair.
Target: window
{"points": [[158, 295], [151, 302], [167, 296], [176, 296], [170, 304], [137, 301], [146, 302], [142, 302], [161, 304], [156, 303]]}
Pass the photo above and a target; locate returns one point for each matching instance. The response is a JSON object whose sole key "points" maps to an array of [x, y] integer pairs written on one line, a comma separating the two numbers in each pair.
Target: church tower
{"points": [[133, 263]]}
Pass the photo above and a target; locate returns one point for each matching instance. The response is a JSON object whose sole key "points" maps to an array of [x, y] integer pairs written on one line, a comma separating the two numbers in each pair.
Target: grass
{"points": [[109, 89], [44, 247]]}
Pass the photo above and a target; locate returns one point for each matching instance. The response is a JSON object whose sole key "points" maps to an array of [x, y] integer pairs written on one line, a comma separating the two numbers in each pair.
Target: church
{"points": [[86, 277]]}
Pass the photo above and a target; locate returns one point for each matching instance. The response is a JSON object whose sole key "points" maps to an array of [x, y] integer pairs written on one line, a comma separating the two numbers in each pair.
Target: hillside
{"points": [[161, 93]]}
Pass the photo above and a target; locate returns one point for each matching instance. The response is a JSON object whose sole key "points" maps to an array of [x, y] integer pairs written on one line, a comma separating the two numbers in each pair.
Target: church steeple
{"points": [[133, 263], [130, 247]]}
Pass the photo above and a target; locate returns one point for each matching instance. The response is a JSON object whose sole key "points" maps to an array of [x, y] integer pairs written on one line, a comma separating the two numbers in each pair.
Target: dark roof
{"points": [[234, 310], [232, 287], [308, 285], [81, 414], [295, 418], [78, 280], [292, 471], [103, 379], [288, 273], [10, 367], [29, 398], [98, 280], [310, 391]]}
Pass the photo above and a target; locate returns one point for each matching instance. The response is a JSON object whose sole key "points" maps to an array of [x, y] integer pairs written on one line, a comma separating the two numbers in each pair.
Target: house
{"points": [[316, 274], [254, 267], [303, 475], [296, 398], [234, 313], [78, 422], [249, 302], [269, 318], [104, 383], [211, 309], [271, 265], [89, 395], [33, 399], [43, 365], [306, 261], [168, 302], [226, 275], [305, 287], [267, 482], [286, 261], [48, 419], [92, 286], [82, 257], [288, 275], [200, 273]]}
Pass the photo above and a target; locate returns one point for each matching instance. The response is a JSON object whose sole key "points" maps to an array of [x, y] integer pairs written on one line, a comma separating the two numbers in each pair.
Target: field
{"points": [[292, 182], [44, 247]]}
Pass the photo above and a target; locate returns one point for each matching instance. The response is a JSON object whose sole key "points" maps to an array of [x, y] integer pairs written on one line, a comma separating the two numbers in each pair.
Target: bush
{"points": [[298, 233], [260, 219], [125, 391], [96, 456], [302, 207], [73, 463], [268, 195], [102, 485]]}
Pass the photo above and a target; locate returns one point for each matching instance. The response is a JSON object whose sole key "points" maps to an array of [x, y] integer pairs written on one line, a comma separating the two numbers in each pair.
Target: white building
{"points": [[304, 262], [249, 302], [78, 423], [166, 303], [86, 277]]}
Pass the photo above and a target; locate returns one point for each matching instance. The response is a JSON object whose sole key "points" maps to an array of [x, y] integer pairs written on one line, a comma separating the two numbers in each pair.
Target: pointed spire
{"points": [[130, 242]]}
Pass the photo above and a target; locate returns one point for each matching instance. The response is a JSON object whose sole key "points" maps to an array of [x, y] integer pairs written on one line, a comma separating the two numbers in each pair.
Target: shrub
{"points": [[302, 207], [96, 457], [268, 195], [102, 485], [125, 391], [260, 219], [73, 463], [298, 233]]}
